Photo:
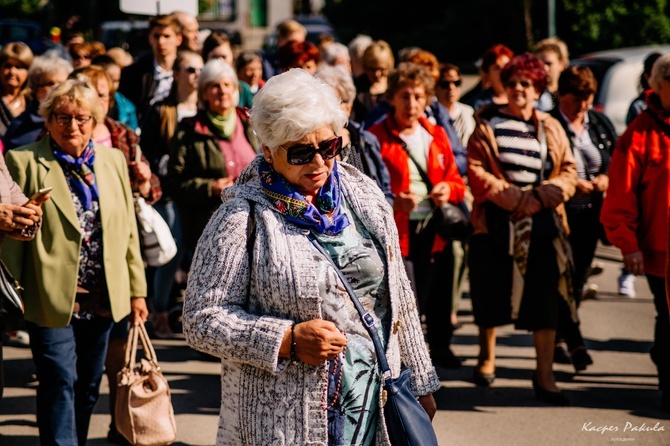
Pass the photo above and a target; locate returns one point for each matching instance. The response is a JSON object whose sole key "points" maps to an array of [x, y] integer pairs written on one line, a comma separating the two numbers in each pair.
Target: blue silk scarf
{"points": [[81, 170], [323, 215]]}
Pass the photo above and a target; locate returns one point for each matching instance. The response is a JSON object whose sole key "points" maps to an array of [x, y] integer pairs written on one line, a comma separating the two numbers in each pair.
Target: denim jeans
{"points": [[69, 363], [164, 276]]}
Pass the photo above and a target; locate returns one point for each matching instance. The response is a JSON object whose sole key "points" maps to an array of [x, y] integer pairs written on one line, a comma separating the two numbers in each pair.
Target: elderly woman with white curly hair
{"points": [[298, 365], [209, 150]]}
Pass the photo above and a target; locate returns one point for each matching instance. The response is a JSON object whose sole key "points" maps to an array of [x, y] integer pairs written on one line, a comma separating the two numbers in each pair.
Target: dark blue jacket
{"points": [[368, 147], [25, 128]]}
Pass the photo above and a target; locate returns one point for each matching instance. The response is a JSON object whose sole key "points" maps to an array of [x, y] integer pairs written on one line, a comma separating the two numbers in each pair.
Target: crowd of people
{"points": [[257, 159]]}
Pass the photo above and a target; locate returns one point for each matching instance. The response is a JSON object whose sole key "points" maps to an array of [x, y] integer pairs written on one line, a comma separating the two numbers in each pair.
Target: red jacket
{"points": [[635, 210], [440, 168]]}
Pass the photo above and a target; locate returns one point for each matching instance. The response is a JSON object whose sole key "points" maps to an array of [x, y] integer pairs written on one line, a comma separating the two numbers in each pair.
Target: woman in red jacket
{"points": [[407, 138], [635, 210]]}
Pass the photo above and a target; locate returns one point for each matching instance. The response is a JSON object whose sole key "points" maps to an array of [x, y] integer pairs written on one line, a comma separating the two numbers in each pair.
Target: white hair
{"points": [[292, 105], [340, 79], [659, 71], [214, 71], [42, 65], [335, 51]]}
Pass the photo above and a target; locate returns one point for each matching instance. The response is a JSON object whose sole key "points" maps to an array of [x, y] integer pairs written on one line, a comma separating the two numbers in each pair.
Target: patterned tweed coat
{"points": [[238, 308]]}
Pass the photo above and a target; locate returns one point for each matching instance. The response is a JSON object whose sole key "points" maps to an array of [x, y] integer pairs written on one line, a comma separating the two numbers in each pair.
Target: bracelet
{"points": [[293, 344]]}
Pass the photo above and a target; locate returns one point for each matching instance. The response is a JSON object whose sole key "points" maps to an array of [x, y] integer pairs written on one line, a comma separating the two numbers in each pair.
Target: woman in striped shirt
{"points": [[521, 171]]}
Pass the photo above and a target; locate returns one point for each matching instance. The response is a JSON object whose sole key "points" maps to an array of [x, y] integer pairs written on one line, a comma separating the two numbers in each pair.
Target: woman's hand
{"points": [[428, 404], [139, 312], [601, 182], [315, 341], [585, 186], [440, 193], [142, 174], [634, 263], [220, 184], [14, 217], [405, 201]]}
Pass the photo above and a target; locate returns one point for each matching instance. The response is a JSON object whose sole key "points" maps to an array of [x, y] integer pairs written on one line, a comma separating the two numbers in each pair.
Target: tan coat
{"points": [[48, 266], [487, 179]]}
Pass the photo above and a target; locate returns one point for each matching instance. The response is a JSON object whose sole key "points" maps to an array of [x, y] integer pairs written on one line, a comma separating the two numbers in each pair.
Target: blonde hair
{"points": [[73, 90], [379, 52]]}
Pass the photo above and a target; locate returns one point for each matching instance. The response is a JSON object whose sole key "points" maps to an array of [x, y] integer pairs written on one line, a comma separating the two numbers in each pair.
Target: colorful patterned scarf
{"points": [[81, 170], [325, 217]]}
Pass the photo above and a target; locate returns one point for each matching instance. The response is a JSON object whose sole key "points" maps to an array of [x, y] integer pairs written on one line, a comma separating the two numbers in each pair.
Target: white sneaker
{"points": [[627, 285], [19, 338], [590, 292]]}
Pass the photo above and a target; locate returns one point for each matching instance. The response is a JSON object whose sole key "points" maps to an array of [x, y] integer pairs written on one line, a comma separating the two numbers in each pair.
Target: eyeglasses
{"points": [[445, 84], [301, 154], [66, 119], [524, 84], [192, 70]]}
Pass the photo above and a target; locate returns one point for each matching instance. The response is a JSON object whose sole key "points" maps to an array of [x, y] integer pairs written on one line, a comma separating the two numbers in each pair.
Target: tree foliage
{"points": [[19, 8], [461, 31], [590, 25]]}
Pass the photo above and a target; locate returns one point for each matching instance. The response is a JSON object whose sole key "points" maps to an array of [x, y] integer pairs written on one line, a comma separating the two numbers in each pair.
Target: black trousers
{"points": [[585, 230], [660, 351], [432, 277]]}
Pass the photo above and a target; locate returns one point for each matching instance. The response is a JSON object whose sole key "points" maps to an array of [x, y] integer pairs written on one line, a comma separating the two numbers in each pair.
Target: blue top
{"points": [[124, 111]]}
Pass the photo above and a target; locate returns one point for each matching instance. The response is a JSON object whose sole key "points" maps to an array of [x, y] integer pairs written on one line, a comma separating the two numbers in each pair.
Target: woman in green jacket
{"points": [[209, 151], [83, 270]]}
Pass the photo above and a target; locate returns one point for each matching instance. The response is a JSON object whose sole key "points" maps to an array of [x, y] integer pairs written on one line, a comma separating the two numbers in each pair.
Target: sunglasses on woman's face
{"points": [[300, 154]]}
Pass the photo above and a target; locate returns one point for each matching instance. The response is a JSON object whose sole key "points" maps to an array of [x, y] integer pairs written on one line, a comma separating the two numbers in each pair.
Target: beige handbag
{"points": [[144, 414]]}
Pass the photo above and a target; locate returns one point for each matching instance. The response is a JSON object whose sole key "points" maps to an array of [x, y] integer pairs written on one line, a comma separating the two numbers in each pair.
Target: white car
{"points": [[618, 75]]}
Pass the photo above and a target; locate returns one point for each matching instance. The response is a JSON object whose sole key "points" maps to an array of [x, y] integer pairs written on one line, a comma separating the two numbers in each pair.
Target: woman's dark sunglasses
{"points": [[446, 84], [304, 153]]}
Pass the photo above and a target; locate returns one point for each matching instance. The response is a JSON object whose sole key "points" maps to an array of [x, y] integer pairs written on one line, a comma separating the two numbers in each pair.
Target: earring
{"points": [[268, 159]]}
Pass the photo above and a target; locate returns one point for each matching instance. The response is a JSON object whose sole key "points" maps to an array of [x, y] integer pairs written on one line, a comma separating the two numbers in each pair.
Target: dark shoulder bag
{"points": [[407, 422], [451, 222], [11, 305]]}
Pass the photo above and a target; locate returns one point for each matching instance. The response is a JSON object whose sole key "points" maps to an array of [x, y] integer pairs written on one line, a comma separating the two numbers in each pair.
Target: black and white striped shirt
{"points": [[518, 148]]}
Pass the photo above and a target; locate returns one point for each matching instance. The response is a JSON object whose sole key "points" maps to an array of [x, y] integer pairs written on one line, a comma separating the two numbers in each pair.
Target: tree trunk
{"points": [[528, 20]]}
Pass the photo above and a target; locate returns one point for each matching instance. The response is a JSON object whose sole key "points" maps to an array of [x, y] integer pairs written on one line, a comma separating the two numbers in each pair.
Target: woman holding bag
{"points": [[423, 175], [84, 269], [299, 366], [521, 171]]}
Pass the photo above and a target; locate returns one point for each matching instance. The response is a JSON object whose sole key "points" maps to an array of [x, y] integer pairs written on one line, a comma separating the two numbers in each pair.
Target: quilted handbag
{"points": [[144, 414]]}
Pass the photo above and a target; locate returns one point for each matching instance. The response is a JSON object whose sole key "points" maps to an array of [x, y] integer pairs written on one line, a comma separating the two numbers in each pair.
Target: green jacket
{"points": [[195, 162], [48, 266]]}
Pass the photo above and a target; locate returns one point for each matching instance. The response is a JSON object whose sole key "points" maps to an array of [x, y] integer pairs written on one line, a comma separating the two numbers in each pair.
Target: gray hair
{"points": [[214, 71], [358, 45], [335, 50], [46, 65], [660, 69], [338, 78], [76, 91], [292, 105]]}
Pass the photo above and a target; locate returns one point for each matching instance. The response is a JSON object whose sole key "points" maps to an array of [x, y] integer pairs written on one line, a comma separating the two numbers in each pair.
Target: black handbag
{"points": [[407, 422], [11, 305], [449, 221]]}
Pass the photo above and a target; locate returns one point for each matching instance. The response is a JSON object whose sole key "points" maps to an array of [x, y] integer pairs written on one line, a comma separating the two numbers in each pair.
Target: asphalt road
{"points": [[614, 401]]}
